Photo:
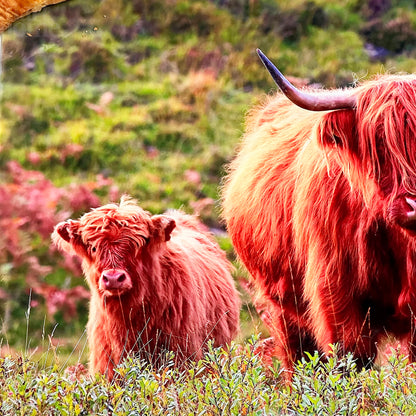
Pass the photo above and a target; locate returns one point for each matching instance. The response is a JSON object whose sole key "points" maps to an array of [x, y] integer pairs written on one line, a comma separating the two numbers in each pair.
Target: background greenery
{"points": [[148, 97]]}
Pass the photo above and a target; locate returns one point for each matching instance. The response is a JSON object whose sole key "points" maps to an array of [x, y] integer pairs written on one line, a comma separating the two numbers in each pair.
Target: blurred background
{"points": [[148, 97]]}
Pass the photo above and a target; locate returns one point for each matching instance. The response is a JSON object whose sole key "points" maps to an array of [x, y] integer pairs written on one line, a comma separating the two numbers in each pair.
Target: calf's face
{"points": [[113, 243]]}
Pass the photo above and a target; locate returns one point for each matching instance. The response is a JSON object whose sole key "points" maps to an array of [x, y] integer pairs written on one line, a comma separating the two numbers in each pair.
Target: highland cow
{"points": [[320, 204], [158, 283]]}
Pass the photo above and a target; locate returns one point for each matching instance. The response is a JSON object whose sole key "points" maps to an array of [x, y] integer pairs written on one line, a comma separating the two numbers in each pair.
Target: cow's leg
{"points": [[412, 344], [338, 319], [408, 341], [289, 333], [101, 357], [357, 335]]}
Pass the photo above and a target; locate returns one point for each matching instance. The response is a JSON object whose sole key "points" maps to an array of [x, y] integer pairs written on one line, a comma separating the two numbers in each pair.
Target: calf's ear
{"points": [[65, 235], [68, 230], [62, 229], [163, 226]]}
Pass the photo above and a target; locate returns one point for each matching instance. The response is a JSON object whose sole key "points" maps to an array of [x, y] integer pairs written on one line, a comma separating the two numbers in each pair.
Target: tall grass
{"points": [[226, 382]]}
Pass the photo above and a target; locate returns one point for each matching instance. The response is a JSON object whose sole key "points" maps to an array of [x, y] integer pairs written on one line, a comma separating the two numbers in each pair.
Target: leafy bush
{"points": [[396, 35], [372, 9], [340, 53], [31, 206], [291, 24], [225, 382]]}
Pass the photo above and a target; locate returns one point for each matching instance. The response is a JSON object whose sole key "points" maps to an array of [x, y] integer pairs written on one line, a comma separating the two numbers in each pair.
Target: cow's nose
{"points": [[411, 214], [113, 279]]}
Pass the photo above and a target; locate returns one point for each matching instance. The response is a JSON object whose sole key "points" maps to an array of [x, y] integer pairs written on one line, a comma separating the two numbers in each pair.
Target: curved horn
{"points": [[313, 102]]}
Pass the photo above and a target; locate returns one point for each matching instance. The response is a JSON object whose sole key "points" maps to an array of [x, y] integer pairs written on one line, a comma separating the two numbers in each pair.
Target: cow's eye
{"points": [[337, 139], [93, 249]]}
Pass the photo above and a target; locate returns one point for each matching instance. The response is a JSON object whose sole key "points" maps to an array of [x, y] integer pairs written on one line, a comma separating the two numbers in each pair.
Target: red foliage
{"points": [[30, 207], [320, 208], [62, 299], [157, 283]]}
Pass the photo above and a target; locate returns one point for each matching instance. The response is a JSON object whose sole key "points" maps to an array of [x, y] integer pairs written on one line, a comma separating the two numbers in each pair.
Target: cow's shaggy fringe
{"points": [[315, 206], [181, 293]]}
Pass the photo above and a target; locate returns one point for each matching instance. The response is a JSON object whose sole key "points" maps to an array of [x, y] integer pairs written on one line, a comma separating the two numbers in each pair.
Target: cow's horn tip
{"points": [[260, 54]]}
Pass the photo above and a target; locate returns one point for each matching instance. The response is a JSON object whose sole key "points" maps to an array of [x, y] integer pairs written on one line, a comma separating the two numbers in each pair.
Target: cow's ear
{"points": [[66, 235], [63, 230], [163, 226], [339, 129]]}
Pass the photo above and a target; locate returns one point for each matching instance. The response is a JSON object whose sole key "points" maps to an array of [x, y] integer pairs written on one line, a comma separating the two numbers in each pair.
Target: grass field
{"points": [[148, 98]]}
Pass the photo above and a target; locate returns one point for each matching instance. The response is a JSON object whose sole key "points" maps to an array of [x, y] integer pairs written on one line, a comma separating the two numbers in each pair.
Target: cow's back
{"points": [[258, 195], [200, 280]]}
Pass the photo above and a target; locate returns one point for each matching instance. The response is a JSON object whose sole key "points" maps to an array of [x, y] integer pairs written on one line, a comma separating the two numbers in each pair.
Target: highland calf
{"points": [[320, 204], [158, 283]]}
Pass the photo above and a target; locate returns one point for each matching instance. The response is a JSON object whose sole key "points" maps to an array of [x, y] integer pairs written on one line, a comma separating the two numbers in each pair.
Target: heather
{"points": [[148, 98]]}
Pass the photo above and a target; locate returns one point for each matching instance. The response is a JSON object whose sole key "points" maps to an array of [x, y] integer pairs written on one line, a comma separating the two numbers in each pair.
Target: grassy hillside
{"points": [[148, 98]]}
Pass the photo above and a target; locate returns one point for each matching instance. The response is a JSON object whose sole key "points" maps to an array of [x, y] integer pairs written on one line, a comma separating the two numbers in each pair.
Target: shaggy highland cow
{"points": [[320, 204], [157, 283]]}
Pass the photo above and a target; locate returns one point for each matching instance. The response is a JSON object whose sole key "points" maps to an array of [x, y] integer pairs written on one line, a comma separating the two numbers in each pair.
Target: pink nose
{"points": [[114, 279]]}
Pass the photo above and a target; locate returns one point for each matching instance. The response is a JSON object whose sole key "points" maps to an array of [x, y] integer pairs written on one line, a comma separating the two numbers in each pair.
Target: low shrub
{"points": [[230, 381]]}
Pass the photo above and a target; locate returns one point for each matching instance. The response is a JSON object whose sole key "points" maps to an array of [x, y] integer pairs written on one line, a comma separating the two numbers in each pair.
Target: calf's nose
{"points": [[113, 279]]}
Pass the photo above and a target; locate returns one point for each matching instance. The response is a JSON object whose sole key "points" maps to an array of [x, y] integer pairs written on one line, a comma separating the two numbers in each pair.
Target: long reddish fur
{"points": [[313, 204], [182, 295]]}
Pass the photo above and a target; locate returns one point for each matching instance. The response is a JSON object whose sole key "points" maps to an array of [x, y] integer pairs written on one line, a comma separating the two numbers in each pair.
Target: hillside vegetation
{"points": [[224, 383], [148, 97]]}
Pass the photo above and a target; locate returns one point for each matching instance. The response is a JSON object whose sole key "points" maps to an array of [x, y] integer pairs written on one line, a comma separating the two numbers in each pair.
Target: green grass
{"points": [[225, 382]]}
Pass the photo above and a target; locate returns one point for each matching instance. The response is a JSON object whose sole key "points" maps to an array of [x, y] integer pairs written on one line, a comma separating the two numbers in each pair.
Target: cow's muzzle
{"points": [[115, 281], [403, 212], [411, 215]]}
